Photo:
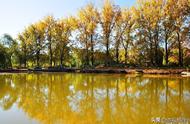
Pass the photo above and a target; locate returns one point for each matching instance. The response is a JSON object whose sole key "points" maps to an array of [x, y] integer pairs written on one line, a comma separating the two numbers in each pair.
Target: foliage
{"points": [[153, 33]]}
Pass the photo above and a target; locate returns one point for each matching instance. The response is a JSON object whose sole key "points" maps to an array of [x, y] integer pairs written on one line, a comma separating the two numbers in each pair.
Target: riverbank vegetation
{"points": [[154, 33]]}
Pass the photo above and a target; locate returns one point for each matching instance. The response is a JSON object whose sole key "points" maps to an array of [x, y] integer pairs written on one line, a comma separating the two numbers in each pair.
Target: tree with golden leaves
{"points": [[108, 18], [63, 29], [149, 25], [181, 14], [87, 24], [168, 26], [49, 22], [37, 36]]}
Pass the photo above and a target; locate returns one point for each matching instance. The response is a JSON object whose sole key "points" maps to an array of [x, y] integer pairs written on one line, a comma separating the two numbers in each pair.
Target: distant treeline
{"points": [[152, 33]]}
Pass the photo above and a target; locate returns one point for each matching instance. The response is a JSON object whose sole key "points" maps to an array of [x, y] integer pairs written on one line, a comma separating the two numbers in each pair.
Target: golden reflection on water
{"points": [[60, 98]]}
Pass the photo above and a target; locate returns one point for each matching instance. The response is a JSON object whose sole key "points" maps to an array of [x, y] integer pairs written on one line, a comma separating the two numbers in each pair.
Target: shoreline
{"points": [[166, 71]]}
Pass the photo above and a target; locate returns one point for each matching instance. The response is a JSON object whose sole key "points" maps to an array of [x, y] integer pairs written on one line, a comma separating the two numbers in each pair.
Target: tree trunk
{"points": [[38, 51], [156, 49], [38, 58], [20, 62], [180, 58], [25, 60], [151, 50], [87, 57], [107, 61], [126, 50], [117, 55], [51, 54], [61, 57], [166, 49], [126, 54], [156, 53], [117, 51], [92, 49], [11, 65]]}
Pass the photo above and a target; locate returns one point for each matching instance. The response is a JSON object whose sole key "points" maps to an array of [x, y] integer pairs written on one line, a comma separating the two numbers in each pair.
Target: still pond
{"points": [[67, 98]]}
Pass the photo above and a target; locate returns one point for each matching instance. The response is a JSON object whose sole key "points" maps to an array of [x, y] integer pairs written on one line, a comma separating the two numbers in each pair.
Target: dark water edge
{"points": [[105, 70]]}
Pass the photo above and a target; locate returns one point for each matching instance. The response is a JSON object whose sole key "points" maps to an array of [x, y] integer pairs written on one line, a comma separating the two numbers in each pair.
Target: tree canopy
{"points": [[152, 33]]}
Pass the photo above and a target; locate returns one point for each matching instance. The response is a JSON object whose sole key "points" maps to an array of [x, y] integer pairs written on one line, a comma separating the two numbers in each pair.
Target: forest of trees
{"points": [[154, 33]]}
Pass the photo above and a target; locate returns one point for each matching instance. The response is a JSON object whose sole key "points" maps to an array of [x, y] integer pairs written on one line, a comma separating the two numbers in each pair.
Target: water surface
{"points": [[66, 98]]}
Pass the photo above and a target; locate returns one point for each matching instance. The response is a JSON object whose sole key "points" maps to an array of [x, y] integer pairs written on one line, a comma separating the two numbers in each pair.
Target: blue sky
{"points": [[15, 15]]}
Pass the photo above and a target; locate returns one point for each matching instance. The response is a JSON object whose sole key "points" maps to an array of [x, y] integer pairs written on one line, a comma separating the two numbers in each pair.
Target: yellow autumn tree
{"points": [[49, 22], [37, 37], [63, 29], [87, 24], [108, 18]]}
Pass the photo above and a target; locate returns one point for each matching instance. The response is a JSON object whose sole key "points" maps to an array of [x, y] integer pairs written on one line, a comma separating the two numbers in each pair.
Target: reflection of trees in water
{"points": [[90, 98], [8, 91]]}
